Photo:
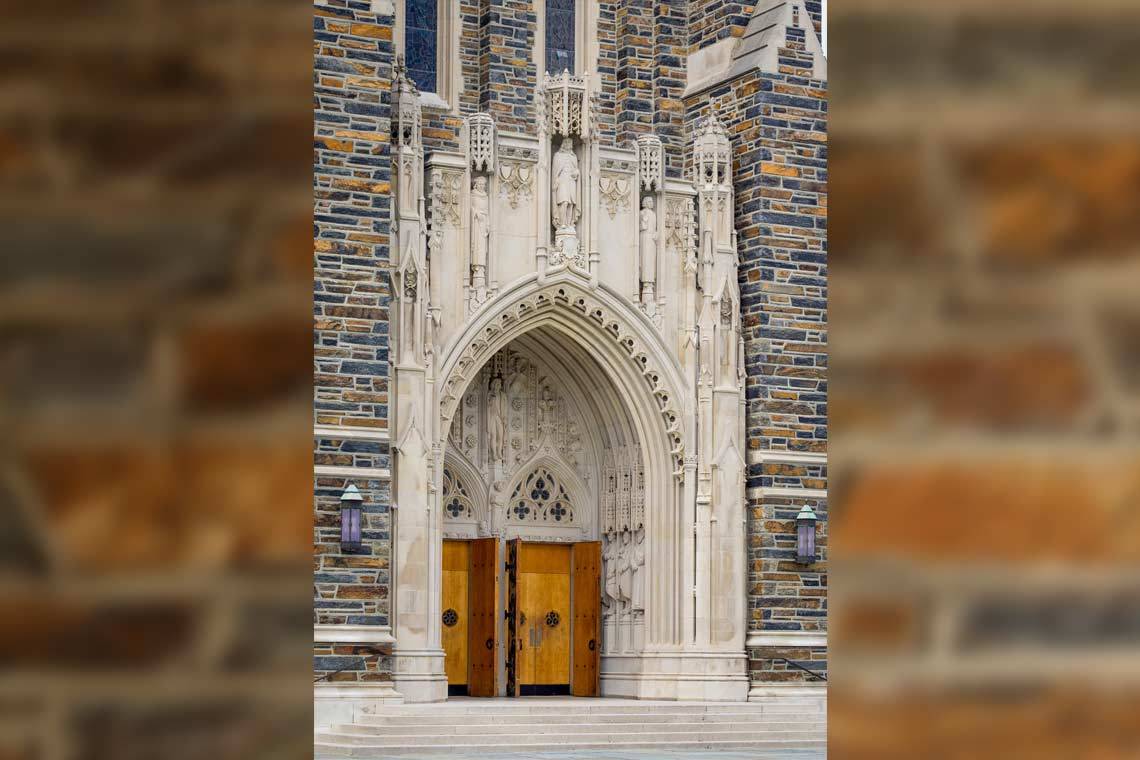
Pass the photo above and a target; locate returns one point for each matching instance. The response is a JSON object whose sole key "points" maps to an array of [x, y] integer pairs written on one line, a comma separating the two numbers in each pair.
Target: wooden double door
{"points": [[551, 594]]}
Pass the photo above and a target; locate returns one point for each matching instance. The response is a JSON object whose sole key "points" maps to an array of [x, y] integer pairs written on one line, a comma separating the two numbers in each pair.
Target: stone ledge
{"points": [[338, 471], [357, 433], [354, 634], [786, 639]]}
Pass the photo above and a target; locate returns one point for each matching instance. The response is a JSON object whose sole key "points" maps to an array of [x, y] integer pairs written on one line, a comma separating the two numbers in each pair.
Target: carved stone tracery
{"points": [[615, 193], [516, 181]]}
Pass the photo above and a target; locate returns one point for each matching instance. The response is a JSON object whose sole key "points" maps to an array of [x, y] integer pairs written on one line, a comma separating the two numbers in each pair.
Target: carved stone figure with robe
{"points": [[648, 241], [610, 567], [496, 420], [564, 185], [480, 229], [625, 569], [637, 562]]}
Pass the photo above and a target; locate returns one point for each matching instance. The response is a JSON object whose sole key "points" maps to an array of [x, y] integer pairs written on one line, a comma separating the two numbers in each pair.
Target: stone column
{"points": [[418, 658]]}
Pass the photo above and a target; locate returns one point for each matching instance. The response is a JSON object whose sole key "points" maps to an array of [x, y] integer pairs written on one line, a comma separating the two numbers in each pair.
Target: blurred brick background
{"points": [[985, 376], [155, 379]]}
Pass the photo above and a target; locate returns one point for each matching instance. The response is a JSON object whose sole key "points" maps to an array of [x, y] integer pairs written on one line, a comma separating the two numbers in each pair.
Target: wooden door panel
{"points": [[543, 639], [483, 628], [514, 627], [454, 604], [552, 624], [586, 570]]}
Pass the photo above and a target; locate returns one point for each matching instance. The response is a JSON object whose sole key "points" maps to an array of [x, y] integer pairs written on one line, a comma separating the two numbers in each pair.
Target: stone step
{"points": [[583, 707], [386, 718], [325, 749], [628, 719], [551, 727], [566, 738]]}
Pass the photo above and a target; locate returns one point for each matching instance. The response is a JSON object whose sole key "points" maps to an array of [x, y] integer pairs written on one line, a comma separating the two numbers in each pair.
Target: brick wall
{"points": [[778, 127], [506, 57], [352, 204]]}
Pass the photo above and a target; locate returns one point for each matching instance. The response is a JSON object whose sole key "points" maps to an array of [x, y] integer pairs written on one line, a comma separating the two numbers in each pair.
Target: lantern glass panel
{"points": [[806, 541], [350, 525]]}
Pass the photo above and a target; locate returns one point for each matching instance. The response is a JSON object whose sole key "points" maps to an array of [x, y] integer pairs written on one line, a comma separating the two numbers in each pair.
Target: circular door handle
{"points": [[592, 644], [490, 643]]}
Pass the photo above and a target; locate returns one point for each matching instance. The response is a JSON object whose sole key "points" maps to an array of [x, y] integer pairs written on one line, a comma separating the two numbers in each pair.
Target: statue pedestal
{"points": [[566, 249]]}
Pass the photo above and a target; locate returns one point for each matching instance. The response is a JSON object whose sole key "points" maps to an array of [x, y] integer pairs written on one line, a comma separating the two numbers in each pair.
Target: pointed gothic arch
{"points": [[641, 369]]}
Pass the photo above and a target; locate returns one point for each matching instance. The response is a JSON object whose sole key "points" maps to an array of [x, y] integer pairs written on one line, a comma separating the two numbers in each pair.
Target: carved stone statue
{"points": [[610, 565], [496, 420], [625, 569], [546, 404], [648, 241], [564, 185], [480, 230], [637, 562]]}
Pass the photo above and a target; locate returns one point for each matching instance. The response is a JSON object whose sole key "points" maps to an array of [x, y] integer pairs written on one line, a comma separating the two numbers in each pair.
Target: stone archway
{"points": [[644, 380]]}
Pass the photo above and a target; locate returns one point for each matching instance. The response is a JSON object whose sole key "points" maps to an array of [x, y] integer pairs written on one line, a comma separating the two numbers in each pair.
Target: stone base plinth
{"points": [[341, 703], [703, 676]]}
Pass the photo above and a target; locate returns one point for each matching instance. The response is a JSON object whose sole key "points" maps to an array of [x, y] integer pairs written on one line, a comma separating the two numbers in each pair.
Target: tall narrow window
{"points": [[421, 46], [560, 28]]}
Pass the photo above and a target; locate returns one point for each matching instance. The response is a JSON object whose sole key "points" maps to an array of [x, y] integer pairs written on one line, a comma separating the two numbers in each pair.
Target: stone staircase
{"points": [[491, 726]]}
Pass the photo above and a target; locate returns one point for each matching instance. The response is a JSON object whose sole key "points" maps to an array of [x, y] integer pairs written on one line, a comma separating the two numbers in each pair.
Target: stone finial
{"points": [[407, 100], [712, 163], [480, 128], [567, 104], [650, 163]]}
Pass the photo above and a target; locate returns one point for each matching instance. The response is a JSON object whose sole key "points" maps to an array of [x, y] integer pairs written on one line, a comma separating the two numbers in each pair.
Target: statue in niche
{"points": [[625, 569], [648, 241], [546, 406], [610, 564], [564, 185], [496, 420], [498, 506], [637, 562], [480, 231], [515, 386]]}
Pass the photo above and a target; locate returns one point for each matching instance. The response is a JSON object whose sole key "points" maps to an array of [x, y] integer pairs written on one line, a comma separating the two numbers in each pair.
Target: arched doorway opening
{"points": [[543, 457]]}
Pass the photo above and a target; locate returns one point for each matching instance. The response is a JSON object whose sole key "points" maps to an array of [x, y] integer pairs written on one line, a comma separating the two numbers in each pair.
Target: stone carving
{"points": [[610, 596], [625, 570], [515, 181], [540, 497], [566, 296], [481, 142], [564, 206], [564, 185], [650, 163], [445, 193], [566, 109], [678, 223], [456, 501], [647, 240], [496, 421], [615, 194], [480, 234], [637, 566], [546, 405]]}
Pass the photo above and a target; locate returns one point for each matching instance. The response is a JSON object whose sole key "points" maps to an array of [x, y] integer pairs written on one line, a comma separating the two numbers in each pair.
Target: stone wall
{"points": [[713, 20], [352, 204], [778, 127]]}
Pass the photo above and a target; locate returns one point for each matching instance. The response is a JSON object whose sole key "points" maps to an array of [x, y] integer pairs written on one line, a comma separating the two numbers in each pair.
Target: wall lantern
{"points": [[350, 508], [805, 536]]}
